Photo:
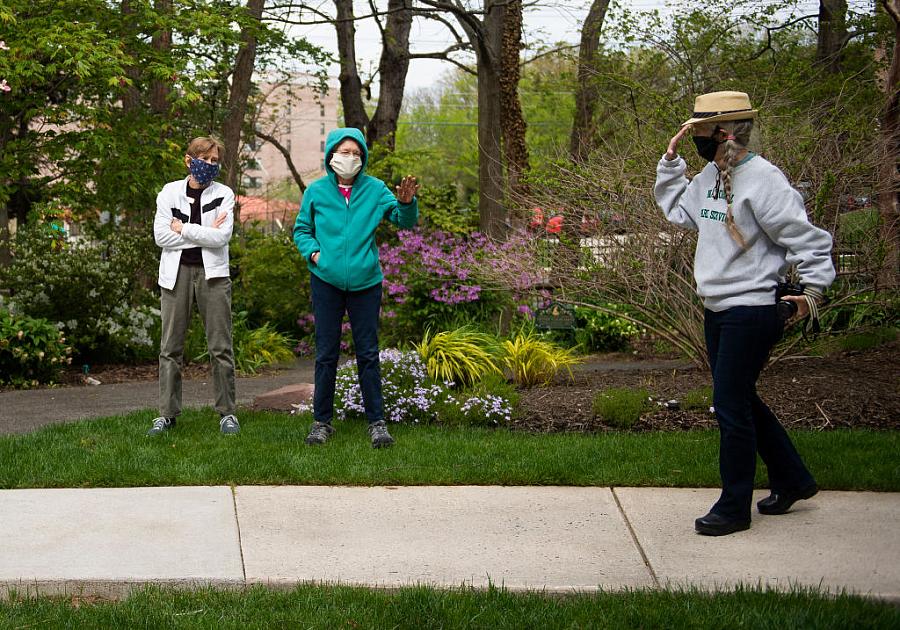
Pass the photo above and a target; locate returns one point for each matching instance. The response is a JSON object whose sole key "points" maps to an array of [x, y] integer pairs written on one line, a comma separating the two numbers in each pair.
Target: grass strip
{"points": [[114, 452], [421, 607]]}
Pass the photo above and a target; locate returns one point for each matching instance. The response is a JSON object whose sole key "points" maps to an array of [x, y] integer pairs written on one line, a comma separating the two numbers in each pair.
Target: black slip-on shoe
{"points": [[714, 525], [780, 501]]}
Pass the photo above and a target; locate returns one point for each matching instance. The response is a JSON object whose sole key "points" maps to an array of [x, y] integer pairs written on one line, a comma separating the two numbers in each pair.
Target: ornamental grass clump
{"points": [[254, 348], [462, 356], [532, 361]]}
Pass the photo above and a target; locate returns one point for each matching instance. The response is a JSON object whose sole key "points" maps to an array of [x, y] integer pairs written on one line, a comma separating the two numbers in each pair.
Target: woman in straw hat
{"points": [[752, 226]]}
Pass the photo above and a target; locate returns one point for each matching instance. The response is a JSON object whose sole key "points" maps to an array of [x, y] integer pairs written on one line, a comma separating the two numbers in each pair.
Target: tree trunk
{"points": [[889, 181], [587, 92], [392, 70], [237, 101], [162, 43], [131, 96], [512, 120], [351, 85], [4, 235], [832, 34], [491, 207]]}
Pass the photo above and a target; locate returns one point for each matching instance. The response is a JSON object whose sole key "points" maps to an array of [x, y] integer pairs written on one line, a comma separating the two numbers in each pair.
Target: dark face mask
{"points": [[707, 146]]}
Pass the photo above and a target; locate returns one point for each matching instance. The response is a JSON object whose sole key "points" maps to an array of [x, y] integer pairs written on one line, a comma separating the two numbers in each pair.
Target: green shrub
{"points": [[864, 310], [621, 408], [698, 398], [94, 290], [599, 331], [32, 351], [532, 361], [462, 356], [865, 340], [272, 281]]}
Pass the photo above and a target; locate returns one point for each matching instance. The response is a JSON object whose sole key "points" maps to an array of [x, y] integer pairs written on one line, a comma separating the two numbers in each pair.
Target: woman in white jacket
{"points": [[752, 227]]}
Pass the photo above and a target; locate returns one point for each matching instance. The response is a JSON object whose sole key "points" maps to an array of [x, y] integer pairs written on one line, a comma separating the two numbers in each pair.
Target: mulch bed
{"points": [[845, 390]]}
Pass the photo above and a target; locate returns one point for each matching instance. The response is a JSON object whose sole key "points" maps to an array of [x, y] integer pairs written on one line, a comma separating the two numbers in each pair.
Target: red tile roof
{"points": [[267, 210]]}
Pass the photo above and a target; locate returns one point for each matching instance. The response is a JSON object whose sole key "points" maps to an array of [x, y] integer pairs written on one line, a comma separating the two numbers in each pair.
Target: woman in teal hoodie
{"points": [[335, 233]]}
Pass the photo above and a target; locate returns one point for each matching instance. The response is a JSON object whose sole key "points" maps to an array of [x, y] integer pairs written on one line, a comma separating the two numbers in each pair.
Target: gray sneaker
{"points": [[379, 434], [228, 425], [319, 433], [161, 425]]}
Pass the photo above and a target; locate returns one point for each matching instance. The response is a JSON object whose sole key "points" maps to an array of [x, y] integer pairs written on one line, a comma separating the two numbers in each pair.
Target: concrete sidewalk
{"points": [[105, 541]]}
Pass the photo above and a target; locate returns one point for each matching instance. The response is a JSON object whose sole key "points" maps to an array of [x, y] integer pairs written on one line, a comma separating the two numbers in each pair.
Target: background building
{"points": [[299, 117]]}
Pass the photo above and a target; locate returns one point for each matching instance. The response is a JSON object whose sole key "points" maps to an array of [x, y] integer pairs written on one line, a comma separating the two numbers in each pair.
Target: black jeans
{"points": [[363, 307], [738, 341]]}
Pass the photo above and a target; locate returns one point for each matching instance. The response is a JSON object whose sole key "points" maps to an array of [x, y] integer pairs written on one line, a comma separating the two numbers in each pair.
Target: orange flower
{"points": [[554, 225]]}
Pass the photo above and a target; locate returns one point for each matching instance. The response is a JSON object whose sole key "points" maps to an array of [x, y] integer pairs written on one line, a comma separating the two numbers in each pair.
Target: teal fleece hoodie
{"points": [[344, 233]]}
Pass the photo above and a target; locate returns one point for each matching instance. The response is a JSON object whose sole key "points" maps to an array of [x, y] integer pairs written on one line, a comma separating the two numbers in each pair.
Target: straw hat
{"points": [[719, 106]]}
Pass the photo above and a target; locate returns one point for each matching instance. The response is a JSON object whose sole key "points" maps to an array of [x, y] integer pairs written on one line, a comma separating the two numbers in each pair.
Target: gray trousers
{"points": [[214, 303]]}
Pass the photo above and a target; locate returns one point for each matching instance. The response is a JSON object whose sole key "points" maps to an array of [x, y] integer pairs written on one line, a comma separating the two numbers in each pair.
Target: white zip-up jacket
{"points": [[173, 201]]}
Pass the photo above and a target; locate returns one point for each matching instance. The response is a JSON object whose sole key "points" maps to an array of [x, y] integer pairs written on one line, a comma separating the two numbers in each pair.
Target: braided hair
{"points": [[737, 139]]}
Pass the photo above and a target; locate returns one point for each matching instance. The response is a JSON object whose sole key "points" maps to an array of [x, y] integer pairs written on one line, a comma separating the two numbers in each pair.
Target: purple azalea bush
{"points": [[437, 279]]}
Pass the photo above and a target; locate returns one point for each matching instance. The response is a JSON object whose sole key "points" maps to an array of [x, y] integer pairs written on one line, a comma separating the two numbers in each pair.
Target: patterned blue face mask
{"points": [[203, 172]]}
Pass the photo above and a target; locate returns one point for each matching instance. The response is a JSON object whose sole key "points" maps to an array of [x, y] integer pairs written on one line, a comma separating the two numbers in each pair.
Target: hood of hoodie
{"points": [[335, 137]]}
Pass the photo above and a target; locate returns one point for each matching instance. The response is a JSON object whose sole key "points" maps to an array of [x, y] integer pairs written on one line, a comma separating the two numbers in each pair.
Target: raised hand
{"points": [[407, 189], [672, 151]]}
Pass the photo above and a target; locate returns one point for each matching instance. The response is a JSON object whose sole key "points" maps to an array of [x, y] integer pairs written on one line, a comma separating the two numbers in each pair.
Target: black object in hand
{"points": [[784, 308]]}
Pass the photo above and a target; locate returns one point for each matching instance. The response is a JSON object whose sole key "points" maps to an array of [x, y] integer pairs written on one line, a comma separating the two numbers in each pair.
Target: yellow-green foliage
{"points": [[462, 356], [260, 347], [532, 361]]}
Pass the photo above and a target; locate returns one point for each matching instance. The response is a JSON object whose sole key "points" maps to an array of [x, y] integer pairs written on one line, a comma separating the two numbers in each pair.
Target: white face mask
{"points": [[346, 166]]}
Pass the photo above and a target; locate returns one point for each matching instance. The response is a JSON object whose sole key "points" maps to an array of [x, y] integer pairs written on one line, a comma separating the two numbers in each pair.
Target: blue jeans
{"points": [[363, 307], [738, 341]]}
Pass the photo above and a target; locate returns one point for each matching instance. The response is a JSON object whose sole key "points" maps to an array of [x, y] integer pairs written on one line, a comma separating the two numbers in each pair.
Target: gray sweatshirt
{"points": [[771, 216]]}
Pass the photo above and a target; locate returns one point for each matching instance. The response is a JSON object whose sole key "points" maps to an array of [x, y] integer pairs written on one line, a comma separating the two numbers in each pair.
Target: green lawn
{"points": [[345, 607], [270, 450]]}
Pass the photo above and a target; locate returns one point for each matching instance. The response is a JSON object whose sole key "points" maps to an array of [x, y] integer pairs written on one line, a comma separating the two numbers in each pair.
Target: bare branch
{"points": [[287, 158], [547, 53]]}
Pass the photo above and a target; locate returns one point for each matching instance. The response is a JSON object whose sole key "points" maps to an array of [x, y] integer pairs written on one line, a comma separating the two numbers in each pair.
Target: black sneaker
{"points": [[228, 425], [319, 433], [379, 434], [161, 425]]}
